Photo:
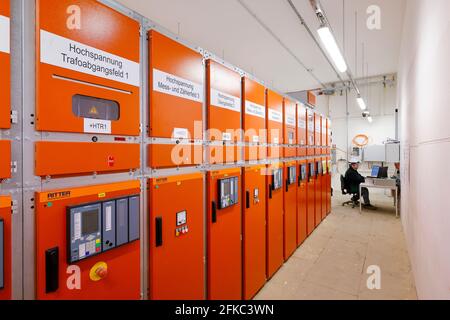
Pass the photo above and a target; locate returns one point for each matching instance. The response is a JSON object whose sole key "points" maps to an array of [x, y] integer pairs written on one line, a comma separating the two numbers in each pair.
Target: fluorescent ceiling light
{"points": [[369, 118], [361, 103], [331, 46]]}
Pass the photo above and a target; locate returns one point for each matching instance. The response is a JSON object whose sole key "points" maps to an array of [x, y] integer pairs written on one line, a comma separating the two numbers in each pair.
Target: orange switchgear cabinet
{"points": [[223, 97], [311, 132], [254, 230], [5, 64], [290, 208], [302, 202], [329, 176], [224, 235], [176, 89], [63, 159], [274, 218], [5, 159], [5, 247], [301, 130], [176, 238], [88, 73], [176, 102], [318, 133], [311, 195], [274, 124], [87, 243], [318, 192], [324, 188], [254, 119], [290, 128]]}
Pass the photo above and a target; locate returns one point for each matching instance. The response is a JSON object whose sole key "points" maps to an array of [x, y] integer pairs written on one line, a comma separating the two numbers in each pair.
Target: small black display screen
{"points": [[312, 170], [277, 179], [292, 174], [89, 222], [303, 172], [228, 192]]}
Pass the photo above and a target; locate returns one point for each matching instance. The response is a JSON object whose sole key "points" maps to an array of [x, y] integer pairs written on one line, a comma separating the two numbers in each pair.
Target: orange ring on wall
{"points": [[359, 144]]}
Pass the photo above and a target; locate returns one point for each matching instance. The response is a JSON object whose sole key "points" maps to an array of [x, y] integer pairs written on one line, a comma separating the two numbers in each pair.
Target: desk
{"points": [[386, 184]]}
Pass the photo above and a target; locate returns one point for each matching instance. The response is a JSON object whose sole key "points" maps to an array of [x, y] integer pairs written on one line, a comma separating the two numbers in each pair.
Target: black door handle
{"points": [[247, 200], [214, 212], [51, 270], [270, 191], [158, 231]]}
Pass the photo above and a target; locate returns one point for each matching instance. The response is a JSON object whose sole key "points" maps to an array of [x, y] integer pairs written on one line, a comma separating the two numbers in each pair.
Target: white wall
{"points": [[382, 103], [424, 97]]}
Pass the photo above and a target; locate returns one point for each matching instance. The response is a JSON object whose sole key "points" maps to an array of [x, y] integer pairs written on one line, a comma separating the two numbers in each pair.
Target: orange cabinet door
{"points": [[5, 159], [301, 130], [5, 80], [274, 212], [87, 69], [311, 194], [224, 235], [318, 194], [5, 233], [302, 203], [176, 238], [59, 279], [254, 118], [274, 119], [290, 128], [290, 209], [254, 230]]}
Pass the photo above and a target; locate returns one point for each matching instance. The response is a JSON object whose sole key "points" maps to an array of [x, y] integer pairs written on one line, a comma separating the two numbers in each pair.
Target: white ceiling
{"points": [[227, 29]]}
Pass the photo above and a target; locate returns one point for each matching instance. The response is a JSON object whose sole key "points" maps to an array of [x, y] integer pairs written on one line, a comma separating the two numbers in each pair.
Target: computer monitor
{"points": [[375, 171], [383, 173]]}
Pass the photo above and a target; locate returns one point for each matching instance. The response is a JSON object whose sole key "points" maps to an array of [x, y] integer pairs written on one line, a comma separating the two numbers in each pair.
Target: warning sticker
{"points": [[69, 54], [275, 116], [226, 101], [4, 34], [255, 109], [169, 84], [97, 126]]}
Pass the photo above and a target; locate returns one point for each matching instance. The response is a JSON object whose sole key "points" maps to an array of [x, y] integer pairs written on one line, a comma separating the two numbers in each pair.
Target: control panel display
{"points": [[303, 176], [312, 171], [102, 226], [324, 167], [85, 232], [228, 192], [292, 175], [319, 168], [277, 179], [181, 218]]}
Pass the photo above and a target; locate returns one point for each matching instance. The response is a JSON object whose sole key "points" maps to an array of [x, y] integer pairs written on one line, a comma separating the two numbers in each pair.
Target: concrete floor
{"points": [[332, 263]]}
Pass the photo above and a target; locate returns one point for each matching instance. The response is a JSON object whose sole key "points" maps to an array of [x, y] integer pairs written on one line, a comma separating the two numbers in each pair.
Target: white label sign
{"points": [[169, 84], [301, 124], [97, 126], [4, 34], [255, 139], [255, 109], [276, 140], [69, 54], [226, 136], [226, 101], [311, 126], [275, 116], [77, 226], [290, 120], [318, 127], [180, 133]]}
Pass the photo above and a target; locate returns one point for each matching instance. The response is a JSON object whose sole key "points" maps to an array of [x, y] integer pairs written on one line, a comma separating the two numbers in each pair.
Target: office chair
{"points": [[353, 202]]}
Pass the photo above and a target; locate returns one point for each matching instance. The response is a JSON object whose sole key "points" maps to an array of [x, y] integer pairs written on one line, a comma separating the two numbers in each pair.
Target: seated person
{"points": [[353, 179]]}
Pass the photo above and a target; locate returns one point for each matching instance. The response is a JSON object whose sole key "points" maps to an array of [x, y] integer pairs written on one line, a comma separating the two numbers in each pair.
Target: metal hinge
{"points": [[14, 117], [14, 206], [14, 167]]}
